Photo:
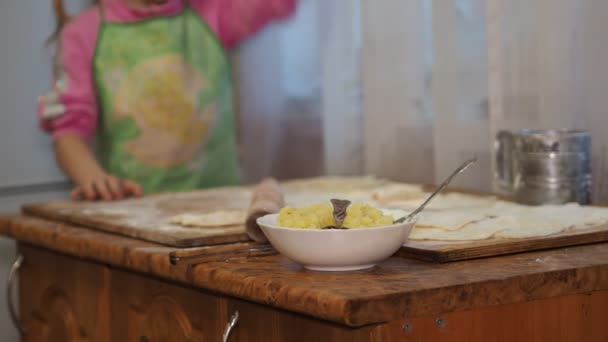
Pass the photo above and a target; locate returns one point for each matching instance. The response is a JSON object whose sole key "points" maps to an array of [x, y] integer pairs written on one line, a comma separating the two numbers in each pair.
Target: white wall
{"points": [[24, 75], [25, 153]]}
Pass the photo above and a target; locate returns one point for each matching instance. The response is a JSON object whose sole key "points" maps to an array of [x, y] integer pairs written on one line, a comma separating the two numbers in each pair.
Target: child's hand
{"points": [[92, 182], [105, 187]]}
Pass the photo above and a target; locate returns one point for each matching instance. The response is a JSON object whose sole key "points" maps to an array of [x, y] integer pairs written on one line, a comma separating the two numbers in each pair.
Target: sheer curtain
{"points": [[407, 89], [396, 95], [426, 90], [547, 70], [280, 98], [595, 85], [498, 65], [299, 94]]}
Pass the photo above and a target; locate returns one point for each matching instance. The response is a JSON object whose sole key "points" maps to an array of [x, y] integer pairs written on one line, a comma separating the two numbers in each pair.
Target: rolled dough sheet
{"points": [[509, 221], [335, 183], [211, 219], [396, 192]]}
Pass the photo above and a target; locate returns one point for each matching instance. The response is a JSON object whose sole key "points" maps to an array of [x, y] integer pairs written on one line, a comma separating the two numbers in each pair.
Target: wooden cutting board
{"points": [[449, 251], [149, 218], [439, 251]]}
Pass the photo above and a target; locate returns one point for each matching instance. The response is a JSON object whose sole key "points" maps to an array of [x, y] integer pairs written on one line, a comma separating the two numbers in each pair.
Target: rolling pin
{"points": [[267, 199]]}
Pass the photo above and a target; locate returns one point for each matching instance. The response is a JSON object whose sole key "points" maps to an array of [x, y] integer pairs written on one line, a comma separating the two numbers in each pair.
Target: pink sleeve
{"points": [[71, 105], [236, 20]]}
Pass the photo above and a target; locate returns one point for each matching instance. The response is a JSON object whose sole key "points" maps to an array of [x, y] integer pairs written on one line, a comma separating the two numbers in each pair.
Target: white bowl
{"points": [[336, 249]]}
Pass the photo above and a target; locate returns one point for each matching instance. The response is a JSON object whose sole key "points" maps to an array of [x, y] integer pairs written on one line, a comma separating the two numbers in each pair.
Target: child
{"points": [[150, 79]]}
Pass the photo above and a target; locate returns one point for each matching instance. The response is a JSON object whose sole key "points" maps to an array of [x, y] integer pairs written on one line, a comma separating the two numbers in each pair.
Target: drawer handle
{"points": [[234, 320], [10, 281]]}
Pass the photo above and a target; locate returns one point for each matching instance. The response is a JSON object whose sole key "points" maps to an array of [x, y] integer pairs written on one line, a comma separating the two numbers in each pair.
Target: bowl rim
{"points": [[327, 231]]}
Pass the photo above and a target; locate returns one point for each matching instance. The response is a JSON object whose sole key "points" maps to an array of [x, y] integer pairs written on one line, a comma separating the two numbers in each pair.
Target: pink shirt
{"points": [[71, 106]]}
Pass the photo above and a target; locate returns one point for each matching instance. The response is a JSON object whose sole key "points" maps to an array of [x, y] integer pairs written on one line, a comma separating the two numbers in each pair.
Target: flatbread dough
{"points": [[505, 220], [210, 220], [450, 201], [451, 216], [396, 192], [336, 183], [451, 220], [468, 233]]}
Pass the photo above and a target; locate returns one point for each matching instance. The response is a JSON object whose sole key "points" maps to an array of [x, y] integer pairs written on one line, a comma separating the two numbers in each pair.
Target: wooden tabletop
{"points": [[396, 289]]}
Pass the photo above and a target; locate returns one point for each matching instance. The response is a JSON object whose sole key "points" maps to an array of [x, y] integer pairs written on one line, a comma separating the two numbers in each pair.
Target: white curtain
{"points": [[548, 70], [279, 98], [425, 89], [595, 88], [408, 89]]}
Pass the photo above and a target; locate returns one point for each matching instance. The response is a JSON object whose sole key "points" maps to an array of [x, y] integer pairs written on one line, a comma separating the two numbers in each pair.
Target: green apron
{"points": [[165, 103]]}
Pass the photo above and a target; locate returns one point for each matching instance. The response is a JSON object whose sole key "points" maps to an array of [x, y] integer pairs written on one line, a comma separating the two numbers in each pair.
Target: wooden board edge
{"points": [[421, 254], [512, 247], [42, 212]]}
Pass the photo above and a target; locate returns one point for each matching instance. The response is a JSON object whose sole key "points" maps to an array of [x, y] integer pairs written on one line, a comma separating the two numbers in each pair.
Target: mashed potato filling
{"points": [[316, 216]]}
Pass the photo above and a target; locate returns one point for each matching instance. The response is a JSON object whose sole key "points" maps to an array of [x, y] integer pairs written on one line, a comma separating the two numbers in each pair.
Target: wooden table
{"points": [[78, 284]]}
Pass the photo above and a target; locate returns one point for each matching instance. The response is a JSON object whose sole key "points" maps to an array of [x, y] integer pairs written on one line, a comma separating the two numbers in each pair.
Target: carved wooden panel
{"points": [[63, 299], [145, 309], [54, 319], [163, 319]]}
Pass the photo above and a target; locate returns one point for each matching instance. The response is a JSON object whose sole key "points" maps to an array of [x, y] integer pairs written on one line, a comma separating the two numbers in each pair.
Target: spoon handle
{"points": [[445, 183]]}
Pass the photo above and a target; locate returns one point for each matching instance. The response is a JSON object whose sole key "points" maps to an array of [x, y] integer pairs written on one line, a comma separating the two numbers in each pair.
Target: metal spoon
{"points": [[339, 213], [445, 183]]}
